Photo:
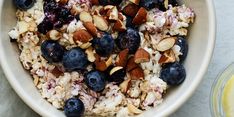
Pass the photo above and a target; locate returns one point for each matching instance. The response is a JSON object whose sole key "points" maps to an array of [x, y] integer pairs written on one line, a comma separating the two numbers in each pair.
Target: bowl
{"points": [[201, 45]]}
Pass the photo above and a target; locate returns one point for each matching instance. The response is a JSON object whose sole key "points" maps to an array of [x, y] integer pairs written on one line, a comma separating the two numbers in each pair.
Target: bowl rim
{"points": [[184, 97]]}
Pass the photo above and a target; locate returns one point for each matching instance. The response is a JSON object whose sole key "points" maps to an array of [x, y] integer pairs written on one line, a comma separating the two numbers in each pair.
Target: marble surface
{"points": [[197, 106]]}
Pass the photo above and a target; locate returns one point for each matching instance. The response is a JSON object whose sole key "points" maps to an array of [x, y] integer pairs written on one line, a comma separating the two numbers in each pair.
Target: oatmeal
{"points": [[103, 57]]}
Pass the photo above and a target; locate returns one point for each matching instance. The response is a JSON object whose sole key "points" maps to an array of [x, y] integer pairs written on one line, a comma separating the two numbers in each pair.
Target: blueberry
{"points": [[24, 4], [74, 107], [95, 80], [104, 46], [182, 42], [45, 26], [52, 51], [173, 73], [148, 4], [129, 39], [110, 2], [129, 22], [64, 15], [50, 6], [75, 59], [173, 2]]}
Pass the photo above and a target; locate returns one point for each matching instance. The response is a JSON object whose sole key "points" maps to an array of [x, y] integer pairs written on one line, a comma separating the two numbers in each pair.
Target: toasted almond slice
{"points": [[135, 1], [85, 45], [108, 7], [109, 61], [85, 16], [122, 58], [119, 26], [113, 14], [100, 23], [167, 57], [125, 85], [137, 73], [141, 56], [133, 109], [82, 36], [131, 9], [131, 64], [90, 27], [113, 70], [141, 17], [166, 2], [166, 44], [90, 54], [54, 34]]}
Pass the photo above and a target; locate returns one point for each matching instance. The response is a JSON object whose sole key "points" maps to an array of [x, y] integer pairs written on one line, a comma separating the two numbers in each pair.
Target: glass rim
{"points": [[219, 81]]}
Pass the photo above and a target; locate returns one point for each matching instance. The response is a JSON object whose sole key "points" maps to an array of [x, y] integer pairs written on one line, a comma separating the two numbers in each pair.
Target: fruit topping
{"points": [[24, 4], [129, 39], [74, 107], [173, 73], [95, 80], [52, 51], [75, 59], [183, 44], [104, 46]]}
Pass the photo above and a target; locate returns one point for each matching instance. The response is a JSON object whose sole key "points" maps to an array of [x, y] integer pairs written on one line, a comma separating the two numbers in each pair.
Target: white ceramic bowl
{"points": [[201, 44]]}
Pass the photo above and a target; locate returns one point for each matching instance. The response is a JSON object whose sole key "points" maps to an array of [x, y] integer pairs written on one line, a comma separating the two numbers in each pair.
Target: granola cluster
{"points": [[142, 87]]}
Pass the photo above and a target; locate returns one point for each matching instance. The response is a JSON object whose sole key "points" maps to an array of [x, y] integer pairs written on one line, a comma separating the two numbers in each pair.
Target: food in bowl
{"points": [[103, 57]]}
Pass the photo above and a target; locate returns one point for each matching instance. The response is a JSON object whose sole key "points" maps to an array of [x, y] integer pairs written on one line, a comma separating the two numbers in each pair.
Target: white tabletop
{"points": [[197, 106]]}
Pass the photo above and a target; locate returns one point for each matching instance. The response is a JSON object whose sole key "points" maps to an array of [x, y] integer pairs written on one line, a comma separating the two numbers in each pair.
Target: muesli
{"points": [[103, 57]]}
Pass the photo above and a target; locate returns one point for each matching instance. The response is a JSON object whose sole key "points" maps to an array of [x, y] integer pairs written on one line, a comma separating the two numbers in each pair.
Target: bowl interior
{"points": [[201, 41]]}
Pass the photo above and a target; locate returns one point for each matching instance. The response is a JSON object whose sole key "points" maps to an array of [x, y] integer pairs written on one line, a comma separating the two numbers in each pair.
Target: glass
{"points": [[217, 91]]}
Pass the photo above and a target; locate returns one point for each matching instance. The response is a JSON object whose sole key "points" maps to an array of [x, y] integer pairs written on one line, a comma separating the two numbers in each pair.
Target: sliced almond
{"points": [[100, 23], [74, 10], [23, 26], [133, 109], [131, 10], [166, 44], [167, 57], [113, 70], [135, 1], [85, 16], [137, 73], [141, 56], [94, 2], [141, 17], [108, 7], [113, 14], [85, 45], [122, 58], [82, 35], [90, 27], [90, 54], [131, 64], [119, 26], [109, 61], [166, 3], [54, 34], [125, 85]]}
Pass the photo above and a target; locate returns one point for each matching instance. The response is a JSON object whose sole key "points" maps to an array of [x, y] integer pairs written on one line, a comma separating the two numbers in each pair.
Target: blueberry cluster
{"points": [[56, 15]]}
